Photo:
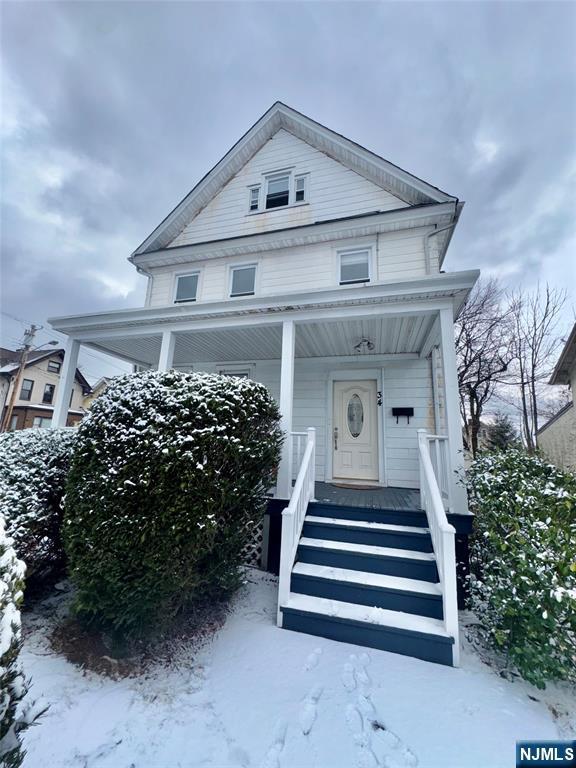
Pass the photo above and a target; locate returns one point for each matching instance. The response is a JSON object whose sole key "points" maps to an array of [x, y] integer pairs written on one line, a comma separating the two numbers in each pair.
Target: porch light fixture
{"points": [[364, 345]]}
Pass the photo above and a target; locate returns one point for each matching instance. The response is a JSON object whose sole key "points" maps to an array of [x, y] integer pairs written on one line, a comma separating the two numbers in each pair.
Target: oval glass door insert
{"points": [[355, 415]]}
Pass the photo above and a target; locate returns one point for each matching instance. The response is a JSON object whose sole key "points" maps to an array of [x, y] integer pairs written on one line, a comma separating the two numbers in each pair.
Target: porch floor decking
{"points": [[402, 499]]}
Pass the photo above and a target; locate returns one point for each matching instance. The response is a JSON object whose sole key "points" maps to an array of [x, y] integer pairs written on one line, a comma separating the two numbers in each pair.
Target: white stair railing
{"points": [[438, 451], [443, 539], [293, 518]]}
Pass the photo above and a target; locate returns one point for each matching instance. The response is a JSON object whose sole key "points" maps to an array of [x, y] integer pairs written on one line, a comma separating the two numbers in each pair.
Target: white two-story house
{"points": [[314, 266]]}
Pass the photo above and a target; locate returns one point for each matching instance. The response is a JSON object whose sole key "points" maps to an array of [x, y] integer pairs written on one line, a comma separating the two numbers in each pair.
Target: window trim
{"points": [[297, 177], [54, 363], [355, 249], [21, 396], [254, 188], [243, 265], [52, 392], [262, 187], [187, 273]]}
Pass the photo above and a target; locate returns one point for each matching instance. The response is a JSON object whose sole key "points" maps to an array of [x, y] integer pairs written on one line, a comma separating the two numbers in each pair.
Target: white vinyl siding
{"points": [[396, 256], [334, 191], [405, 383]]}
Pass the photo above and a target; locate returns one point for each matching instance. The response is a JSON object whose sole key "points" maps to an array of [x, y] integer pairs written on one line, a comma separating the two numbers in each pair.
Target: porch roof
{"points": [[396, 318]]}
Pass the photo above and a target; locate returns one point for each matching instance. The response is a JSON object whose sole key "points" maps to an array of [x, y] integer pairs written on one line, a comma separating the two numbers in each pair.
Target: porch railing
{"points": [[299, 441], [438, 450], [293, 517], [443, 538]]}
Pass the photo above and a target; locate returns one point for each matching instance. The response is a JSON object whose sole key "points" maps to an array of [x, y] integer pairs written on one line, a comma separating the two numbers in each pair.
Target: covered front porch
{"points": [[377, 348]]}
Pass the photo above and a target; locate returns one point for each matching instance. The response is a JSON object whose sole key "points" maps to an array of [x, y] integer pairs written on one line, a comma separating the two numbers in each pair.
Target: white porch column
{"points": [[64, 387], [284, 484], [167, 351], [458, 496]]}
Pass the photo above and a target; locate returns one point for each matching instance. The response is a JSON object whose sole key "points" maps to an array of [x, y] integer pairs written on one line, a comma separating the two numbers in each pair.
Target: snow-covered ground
{"points": [[258, 696]]}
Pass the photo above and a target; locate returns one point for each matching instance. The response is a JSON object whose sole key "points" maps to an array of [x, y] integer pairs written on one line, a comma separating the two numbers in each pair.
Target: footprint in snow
{"points": [[365, 757], [360, 663], [309, 709], [312, 659], [348, 677], [272, 758]]}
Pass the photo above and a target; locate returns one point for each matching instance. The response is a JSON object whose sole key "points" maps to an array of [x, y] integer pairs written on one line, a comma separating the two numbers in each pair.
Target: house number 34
{"points": [[379, 398]]}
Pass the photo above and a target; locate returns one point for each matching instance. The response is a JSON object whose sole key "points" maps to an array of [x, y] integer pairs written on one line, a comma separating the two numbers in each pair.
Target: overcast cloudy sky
{"points": [[112, 111]]}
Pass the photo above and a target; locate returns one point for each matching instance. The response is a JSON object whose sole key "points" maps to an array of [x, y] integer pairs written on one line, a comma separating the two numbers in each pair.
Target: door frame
{"points": [[360, 374]]}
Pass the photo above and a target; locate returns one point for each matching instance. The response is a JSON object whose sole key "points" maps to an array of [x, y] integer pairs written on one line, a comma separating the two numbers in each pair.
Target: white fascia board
{"points": [[345, 151], [380, 298], [435, 214]]}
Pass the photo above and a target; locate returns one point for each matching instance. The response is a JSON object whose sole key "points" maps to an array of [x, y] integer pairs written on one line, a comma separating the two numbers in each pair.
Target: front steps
{"points": [[368, 577]]}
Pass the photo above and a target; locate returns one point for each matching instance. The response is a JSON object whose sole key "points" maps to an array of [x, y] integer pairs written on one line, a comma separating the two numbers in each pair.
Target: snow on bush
{"points": [[523, 584], [168, 477], [15, 714], [34, 464]]}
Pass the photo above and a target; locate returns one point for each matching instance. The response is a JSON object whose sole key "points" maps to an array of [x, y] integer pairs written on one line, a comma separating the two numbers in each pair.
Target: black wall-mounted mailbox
{"points": [[402, 412]]}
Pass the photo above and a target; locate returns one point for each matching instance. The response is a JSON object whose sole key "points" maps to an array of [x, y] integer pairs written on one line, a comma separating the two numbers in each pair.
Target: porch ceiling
{"points": [[387, 334]]}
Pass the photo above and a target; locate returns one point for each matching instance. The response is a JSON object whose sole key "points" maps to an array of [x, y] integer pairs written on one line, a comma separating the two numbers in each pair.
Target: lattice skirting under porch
{"points": [[253, 549]]}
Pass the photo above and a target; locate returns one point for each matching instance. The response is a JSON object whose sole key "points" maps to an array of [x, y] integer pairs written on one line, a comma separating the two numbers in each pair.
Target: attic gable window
{"points": [[186, 287], [54, 366], [300, 191], [254, 202], [277, 191], [355, 266]]}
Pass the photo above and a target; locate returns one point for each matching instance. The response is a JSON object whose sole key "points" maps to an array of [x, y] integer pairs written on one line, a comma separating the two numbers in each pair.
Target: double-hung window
{"points": [[243, 280], [277, 190], [300, 189], [186, 287], [54, 366], [48, 395], [354, 266], [254, 202], [26, 391]]}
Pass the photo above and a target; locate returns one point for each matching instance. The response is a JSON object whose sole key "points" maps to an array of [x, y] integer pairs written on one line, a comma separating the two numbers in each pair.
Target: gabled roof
{"points": [[34, 357], [566, 361], [399, 182]]}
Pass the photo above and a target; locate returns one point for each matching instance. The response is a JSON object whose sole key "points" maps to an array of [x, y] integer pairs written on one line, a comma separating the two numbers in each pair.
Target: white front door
{"points": [[355, 431]]}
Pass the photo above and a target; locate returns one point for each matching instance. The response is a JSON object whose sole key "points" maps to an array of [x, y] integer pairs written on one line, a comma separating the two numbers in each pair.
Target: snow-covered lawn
{"points": [[258, 696]]}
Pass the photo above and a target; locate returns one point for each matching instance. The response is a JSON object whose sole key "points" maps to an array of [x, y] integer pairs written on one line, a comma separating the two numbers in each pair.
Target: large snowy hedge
{"points": [[523, 557], [168, 479], [34, 464], [15, 715]]}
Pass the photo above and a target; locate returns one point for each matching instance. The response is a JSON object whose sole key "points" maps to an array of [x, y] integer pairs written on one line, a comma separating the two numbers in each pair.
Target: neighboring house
{"points": [[38, 388], [95, 392], [557, 438], [311, 264]]}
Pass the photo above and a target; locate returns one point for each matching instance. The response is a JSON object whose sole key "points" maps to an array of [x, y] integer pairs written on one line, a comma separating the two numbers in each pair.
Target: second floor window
{"points": [[355, 266], [186, 287], [54, 366], [277, 191], [26, 391], [48, 395], [243, 280]]}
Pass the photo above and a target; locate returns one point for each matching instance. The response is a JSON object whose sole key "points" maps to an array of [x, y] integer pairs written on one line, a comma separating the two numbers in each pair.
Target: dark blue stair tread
{"points": [[394, 621], [425, 589], [367, 549]]}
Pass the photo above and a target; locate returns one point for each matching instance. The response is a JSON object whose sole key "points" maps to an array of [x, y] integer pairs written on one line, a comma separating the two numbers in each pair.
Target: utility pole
{"points": [[28, 339]]}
